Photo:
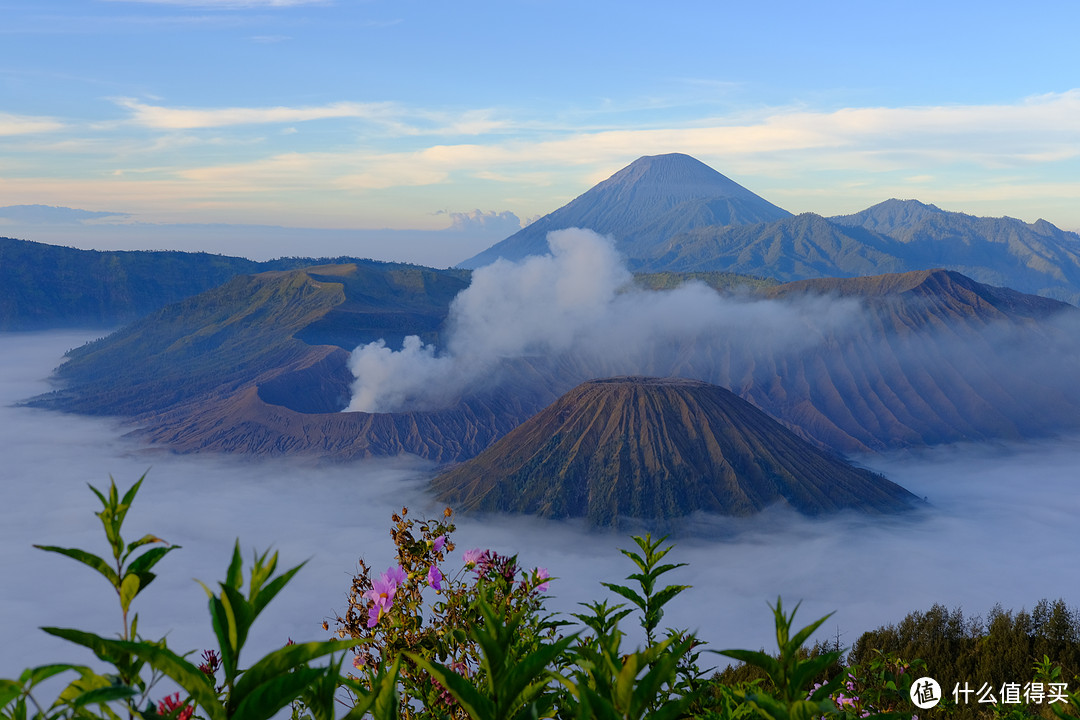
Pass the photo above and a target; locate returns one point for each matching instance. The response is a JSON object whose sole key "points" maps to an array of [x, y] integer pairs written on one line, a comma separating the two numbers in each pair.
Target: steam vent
{"points": [[657, 449]]}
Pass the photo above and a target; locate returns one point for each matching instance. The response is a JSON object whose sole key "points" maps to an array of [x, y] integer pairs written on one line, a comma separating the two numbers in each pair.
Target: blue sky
{"points": [[377, 114]]}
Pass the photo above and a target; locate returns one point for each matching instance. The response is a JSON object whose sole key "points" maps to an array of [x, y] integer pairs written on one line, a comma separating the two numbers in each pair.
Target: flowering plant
{"points": [[423, 607]]}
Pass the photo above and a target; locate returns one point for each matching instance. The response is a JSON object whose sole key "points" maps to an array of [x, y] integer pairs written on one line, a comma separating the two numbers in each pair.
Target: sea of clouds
{"points": [[1001, 530]]}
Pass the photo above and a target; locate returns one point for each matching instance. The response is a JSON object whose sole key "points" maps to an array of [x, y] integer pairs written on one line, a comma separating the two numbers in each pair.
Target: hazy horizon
{"points": [[999, 532]]}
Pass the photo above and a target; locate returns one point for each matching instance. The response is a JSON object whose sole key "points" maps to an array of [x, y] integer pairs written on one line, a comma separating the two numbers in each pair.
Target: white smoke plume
{"points": [[578, 301]]}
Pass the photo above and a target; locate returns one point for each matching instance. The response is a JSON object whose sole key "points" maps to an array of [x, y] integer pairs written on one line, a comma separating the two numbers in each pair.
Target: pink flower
{"points": [[395, 575], [434, 578], [439, 543], [472, 557], [381, 595], [541, 574], [171, 703], [382, 592]]}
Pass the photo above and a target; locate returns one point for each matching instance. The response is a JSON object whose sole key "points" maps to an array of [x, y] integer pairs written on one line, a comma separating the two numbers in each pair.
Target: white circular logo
{"points": [[925, 693]]}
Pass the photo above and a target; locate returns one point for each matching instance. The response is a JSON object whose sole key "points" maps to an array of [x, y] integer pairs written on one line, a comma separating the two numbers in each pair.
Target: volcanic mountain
{"points": [[260, 365], [643, 204], [891, 237], [659, 448]]}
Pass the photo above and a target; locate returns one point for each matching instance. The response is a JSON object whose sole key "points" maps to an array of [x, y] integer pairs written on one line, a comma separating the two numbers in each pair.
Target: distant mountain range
{"points": [[673, 213], [636, 448], [667, 213], [48, 286]]}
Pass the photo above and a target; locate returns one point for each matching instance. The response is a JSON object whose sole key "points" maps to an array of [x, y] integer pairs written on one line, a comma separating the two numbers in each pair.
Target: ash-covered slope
{"points": [[936, 358], [646, 202], [659, 448]]}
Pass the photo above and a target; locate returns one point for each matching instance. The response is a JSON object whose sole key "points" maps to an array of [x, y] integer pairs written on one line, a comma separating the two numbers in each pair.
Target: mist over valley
{"points": [[999, 530]]}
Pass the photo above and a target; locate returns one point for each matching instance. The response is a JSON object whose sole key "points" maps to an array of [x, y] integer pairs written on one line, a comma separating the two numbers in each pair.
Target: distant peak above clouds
{"points": [[642, 205]]}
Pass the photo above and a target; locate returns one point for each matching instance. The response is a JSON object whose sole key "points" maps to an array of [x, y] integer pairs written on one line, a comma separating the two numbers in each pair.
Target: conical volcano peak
{"points": [[675, 175], [650, 200]]}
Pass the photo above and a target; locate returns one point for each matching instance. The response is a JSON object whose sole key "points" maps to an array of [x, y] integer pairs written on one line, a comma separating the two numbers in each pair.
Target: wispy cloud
{"points": [[27, 125], [166, 118], [826, 161], [398, 119]]}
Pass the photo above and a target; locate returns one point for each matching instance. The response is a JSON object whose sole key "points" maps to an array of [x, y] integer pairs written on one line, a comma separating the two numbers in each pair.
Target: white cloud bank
{"points": [[1002, 530]]}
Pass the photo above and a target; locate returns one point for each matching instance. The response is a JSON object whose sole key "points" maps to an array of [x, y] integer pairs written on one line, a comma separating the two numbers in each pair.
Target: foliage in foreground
{"points": [[428, 641]]}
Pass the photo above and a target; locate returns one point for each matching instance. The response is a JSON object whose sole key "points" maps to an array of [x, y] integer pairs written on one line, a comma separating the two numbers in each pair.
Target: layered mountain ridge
{"points": [[50, 286], [672, 213], [260, 366]]}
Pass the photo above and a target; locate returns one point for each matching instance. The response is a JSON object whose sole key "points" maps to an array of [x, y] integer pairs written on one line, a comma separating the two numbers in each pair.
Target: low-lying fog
{"points": [[1002, 531]]}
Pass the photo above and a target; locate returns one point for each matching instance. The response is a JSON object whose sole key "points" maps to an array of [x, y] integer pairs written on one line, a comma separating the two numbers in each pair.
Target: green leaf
{"points": [[386, 698], [528, 676], [269, 697], [234, 577], [105, 695], [9, 690], [88, 640], [285, 659], [129, 588], [104, 502], [803, 635], [150, 558], [260, 571], [125, 504], [661, 598], [238, 609], [186, 675], [381, 700], [87, 559], [753, 657], [472, 702], [219, 621], [130, 494], [265, 595], [32, 676], [626, 593], [624, 682]]}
